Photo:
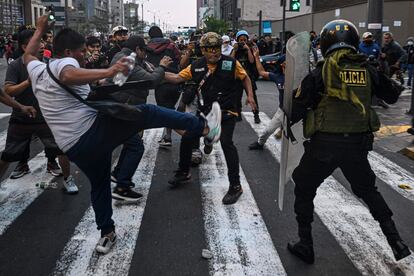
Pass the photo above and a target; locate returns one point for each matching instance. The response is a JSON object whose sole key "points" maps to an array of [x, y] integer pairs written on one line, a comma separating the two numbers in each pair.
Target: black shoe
{"points": [[165, 142], [20, 170], [383, 104], [411, 130], [399, 249], [232, 195], [255, 146], [125, 194], [256, 118], [303, 251], [115, 180], [208, 148], [239, 118], [196, 157], [179, 178]]}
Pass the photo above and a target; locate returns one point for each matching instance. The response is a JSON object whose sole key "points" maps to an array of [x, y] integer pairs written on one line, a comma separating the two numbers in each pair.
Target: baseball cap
{"points": [[225, 38], [366, 35], [135, 41]]}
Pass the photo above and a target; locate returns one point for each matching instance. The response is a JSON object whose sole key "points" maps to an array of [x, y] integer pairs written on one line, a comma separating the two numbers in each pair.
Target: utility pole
{"points": [[284, 24], [66, 14], [260, 23], [375, 17]]}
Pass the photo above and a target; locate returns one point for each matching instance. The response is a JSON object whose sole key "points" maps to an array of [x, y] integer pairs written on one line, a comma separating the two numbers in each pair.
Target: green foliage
{"points": [[215, 25]]}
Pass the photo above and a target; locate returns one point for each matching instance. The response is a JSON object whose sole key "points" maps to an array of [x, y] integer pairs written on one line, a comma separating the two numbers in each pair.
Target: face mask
{"points": [[409, 43]]}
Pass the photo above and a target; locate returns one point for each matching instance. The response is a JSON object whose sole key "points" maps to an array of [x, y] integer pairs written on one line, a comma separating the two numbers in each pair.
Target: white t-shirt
{"points": [[66, 116]]}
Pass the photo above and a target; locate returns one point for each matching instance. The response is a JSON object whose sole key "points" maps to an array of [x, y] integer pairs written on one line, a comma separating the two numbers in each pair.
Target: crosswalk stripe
{"points": [[79, 256], [236, 234], [348, 220], [18, 194], [4, 115], [392, 174]]}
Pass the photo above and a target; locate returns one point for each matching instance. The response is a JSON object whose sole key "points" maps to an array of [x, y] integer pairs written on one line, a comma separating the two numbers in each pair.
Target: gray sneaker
{"points": [[54, 169], [21, 170], [105, 243], [70, 185]]}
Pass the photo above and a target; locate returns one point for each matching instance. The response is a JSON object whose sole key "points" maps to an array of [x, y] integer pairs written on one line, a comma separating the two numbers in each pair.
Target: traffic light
{"points": [[51, 10], [294, 5]]}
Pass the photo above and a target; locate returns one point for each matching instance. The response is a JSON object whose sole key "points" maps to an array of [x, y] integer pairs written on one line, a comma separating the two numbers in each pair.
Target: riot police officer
{"points": [[335, 101]]}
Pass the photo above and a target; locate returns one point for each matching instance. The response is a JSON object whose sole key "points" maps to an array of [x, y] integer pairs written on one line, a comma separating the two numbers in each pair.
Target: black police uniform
{"points": [[328, 150]]}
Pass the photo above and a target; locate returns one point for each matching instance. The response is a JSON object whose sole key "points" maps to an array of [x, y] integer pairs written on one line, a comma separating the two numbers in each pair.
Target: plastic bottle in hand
{"points": [[120, 78]]}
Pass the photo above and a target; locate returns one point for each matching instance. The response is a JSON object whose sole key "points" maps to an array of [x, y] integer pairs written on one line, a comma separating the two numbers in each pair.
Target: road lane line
{"points": [[79, 256], [236, 234], [348, 220], [18, 194]]}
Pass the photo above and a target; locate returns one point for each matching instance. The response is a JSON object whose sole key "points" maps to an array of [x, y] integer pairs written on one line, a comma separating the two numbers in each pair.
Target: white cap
{"points": [[366, 34], [225, 38], [119, 28]]}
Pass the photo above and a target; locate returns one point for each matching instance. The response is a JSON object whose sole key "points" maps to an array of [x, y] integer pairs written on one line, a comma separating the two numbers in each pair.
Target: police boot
{"points": [[303, 249], [399, 248]]}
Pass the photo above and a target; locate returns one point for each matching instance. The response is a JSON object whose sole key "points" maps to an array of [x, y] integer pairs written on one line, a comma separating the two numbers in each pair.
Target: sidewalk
{"points": [[393, 134]]}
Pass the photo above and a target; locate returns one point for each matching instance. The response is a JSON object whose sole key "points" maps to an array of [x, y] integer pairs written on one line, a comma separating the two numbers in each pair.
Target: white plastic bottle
{"points": [[120, 78]]}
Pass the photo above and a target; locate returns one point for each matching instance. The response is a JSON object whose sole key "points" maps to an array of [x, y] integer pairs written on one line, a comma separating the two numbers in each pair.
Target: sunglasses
{"points": [[212, 49]]}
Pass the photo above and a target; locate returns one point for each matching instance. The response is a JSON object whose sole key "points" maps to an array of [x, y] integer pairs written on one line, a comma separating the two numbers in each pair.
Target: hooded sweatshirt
{"points": [[160, 47]]}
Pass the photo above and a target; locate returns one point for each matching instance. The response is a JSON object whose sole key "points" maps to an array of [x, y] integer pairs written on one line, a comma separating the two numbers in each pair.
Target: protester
{"points": [[215, 76], [86, 136], [22, 128], [226, 48], [120, 35], [95, 59], [167, 94], [133, 148], [394, 54], [369, 47], [409, 48], [242, 52]]}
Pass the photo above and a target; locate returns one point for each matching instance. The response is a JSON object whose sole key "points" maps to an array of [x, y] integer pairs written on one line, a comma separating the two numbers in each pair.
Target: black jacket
{"points": [[312, 88]]}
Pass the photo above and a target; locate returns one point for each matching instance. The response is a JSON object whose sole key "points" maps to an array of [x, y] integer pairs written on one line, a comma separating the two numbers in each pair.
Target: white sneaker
{"points": [[70, 185], [214, 124], [105, 243]]}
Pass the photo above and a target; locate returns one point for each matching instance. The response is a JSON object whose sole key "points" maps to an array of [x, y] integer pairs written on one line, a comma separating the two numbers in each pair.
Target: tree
{"points": [[215, 25]]}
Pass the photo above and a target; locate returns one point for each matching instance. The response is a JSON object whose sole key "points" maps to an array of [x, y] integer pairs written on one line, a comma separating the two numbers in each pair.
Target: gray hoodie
{"points": [[142, 71]]}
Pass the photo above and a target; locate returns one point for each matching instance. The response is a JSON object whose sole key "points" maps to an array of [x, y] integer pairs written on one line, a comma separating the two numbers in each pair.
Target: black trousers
{"points": [[239, 105], [229, 149], [320, 159]]}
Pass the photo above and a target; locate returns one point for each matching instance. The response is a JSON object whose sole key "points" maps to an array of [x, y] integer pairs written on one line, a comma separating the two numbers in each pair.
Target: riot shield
{"points": [[297, 67]]}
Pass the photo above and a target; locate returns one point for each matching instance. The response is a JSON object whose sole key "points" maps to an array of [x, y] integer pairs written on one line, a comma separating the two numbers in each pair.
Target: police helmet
{"points": [[242, 32], [119, 29], [211, 39], [339, 34]]}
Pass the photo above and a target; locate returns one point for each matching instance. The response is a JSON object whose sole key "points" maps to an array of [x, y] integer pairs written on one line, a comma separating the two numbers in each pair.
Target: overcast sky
{"points": [[173, 12]]}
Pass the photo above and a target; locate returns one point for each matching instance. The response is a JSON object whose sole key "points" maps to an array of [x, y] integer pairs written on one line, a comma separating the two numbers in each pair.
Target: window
{"points": [[281, 3], [35, 13], [307, 2]]}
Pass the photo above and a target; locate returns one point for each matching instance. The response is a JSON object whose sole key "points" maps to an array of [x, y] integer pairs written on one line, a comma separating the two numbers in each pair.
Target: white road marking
{"points": [[4, 115], [236, 234], [18, 194], [3, 136], [79, 256], [391, 174], [348, 220]]}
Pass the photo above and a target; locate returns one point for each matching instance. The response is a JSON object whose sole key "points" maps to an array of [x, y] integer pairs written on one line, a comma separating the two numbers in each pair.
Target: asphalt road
{"points": [[46, 232]]}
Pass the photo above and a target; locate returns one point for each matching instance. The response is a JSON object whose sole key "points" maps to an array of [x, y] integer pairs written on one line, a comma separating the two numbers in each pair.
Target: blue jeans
{"points": [[128, 161], [93, 152]]}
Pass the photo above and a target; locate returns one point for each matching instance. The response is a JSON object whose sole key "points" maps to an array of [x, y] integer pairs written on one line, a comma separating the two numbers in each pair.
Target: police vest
{"points": [[221, 85], [334, 115]]}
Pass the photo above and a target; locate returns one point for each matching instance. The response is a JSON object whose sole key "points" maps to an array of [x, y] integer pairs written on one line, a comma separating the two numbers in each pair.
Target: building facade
{"points": [[12, 15], [206, 8], [398, 15], [116, 13], [131, 17]]}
